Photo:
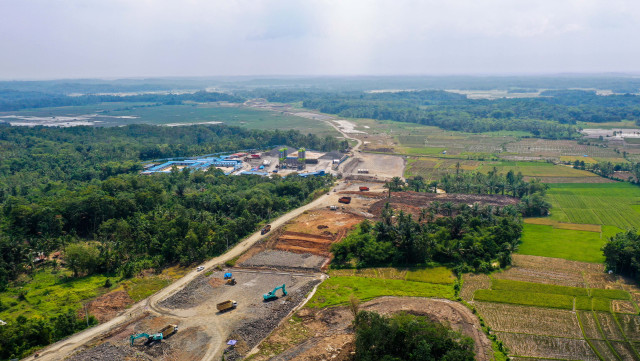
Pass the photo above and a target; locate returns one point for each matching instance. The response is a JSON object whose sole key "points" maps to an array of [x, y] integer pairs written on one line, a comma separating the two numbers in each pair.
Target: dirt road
{"points": [[61, 349]]}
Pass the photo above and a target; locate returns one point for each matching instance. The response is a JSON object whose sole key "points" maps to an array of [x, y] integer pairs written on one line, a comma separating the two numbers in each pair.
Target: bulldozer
{"points": [[230, 280], [272, 294]]}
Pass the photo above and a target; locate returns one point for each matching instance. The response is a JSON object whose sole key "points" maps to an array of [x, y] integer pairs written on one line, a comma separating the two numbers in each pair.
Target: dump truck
{"points": [[168, 330], [364, 189], [272, 294], [265, 229], [226, 305], [345, 200]]}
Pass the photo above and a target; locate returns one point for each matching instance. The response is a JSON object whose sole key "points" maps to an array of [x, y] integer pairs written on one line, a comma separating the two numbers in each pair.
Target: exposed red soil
{"points": [[305, 243], [413, 201], [108, 305]]}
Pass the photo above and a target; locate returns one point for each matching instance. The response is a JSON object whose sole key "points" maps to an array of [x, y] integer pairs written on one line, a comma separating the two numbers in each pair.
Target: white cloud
{"points": [[83, 38]]}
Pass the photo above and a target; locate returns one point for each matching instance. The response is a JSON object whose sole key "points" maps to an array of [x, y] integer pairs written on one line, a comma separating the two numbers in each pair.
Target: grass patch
{"points": [[583, 303], [509, 285], [601, 304], [571, 226], [141, 288], [49, 293], [610, 294], [441, 275], [338, 290], [525, 298], [547, 241]]}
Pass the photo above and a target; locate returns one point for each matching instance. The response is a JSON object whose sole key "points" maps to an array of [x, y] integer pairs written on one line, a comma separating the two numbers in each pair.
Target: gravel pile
{"points": [[252, 332], [332, 155], [195, 293], [285, 260], [108, 352]]}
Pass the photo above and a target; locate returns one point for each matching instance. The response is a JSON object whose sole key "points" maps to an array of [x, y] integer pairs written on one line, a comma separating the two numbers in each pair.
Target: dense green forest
{"points": [[59, 186], [551, 116], [16, 100], [404, 337], [78, 190], [465, 238]]}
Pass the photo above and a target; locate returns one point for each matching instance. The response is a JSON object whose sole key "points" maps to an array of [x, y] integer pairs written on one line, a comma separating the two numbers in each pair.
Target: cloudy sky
{"points": [[43, 39]]}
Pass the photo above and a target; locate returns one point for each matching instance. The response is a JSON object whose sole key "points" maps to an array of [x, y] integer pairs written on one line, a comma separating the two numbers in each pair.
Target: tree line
{"points": [[468, 239], [531, 193], [16, 100]]}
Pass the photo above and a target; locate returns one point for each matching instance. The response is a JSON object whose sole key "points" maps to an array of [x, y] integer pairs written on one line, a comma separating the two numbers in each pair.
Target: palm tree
{"points": [[435, 205], [448, 206], [397, 182]]}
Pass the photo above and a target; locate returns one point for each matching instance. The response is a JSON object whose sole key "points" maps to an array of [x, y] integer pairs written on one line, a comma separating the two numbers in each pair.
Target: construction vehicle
{"points": [[265, 229], [345, 200], [226, 305], [153, 337], [364, 189], [231, 282], [168, 330], [272, 294]]}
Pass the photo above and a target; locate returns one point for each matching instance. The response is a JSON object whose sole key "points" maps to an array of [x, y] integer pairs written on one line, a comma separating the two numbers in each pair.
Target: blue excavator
{"points": [[272, 294], [153, 337]]}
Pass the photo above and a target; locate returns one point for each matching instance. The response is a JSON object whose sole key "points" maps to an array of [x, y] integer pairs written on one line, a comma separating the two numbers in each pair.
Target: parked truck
{"points": [[226, 305], [345, 200], [168, 330], [265, 229], [364, 189]]}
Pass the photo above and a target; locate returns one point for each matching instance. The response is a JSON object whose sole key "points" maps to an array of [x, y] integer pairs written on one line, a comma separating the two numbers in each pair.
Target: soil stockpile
{"points": [[414, 200]]}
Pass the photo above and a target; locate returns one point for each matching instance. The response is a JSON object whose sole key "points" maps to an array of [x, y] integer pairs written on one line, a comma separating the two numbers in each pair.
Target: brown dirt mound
{"points": [[401, 200], [108, 305], [216, 282]]}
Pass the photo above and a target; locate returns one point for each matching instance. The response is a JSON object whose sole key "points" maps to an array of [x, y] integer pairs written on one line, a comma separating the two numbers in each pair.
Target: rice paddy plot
{"points": [[606, 204], [525, 298], [529, 320], [546, 347], [548, 241]]}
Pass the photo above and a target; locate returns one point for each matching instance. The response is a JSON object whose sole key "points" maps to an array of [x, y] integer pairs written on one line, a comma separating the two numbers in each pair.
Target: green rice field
{"points": [[547, 241], [612, 204], [549, 296]]}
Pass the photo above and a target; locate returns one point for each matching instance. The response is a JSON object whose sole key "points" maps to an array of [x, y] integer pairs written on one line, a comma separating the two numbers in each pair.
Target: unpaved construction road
{"points": [[151, 305]]}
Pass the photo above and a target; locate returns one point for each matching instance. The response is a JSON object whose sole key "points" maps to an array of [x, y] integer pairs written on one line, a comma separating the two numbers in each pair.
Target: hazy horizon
{"points": [[90, 39]]}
